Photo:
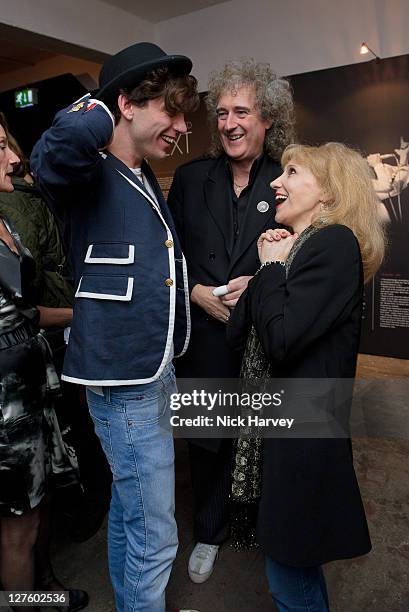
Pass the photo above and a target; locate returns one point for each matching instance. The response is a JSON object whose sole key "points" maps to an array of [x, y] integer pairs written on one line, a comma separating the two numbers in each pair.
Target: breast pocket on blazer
{"points": [[117, 253]]}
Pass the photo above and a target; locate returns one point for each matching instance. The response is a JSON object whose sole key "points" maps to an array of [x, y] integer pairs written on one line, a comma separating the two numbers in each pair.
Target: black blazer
{"points": [[309, 326], [200, 202]]}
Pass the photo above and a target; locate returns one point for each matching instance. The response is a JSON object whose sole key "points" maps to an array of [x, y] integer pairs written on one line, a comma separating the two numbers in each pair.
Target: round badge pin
{"points": [[263, 206]]}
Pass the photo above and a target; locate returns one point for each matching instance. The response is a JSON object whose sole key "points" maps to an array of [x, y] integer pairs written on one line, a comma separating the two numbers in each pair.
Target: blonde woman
{"points": [[300, 318]]}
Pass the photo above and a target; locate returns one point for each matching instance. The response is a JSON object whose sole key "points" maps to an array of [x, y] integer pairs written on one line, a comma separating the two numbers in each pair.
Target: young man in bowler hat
{"points": [[131, 312]]}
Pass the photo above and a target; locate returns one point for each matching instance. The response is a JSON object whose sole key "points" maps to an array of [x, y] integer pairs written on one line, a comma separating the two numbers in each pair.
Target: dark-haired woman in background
{"points": [[30, 441], [53, 295], [300, 318]]}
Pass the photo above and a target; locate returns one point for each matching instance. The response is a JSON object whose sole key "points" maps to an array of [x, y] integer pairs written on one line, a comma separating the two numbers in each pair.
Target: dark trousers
{"points": [[211, 481]]}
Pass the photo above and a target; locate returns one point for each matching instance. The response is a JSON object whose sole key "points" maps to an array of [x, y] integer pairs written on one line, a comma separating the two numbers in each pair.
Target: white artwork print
{"points": [[391, 178]]}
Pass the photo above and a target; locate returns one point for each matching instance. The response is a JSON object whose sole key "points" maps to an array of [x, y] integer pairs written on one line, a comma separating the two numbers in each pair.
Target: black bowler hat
{"points": [[130, 66]]}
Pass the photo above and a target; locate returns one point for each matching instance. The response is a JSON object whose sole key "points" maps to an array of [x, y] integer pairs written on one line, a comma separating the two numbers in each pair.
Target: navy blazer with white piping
{"points": [[131, 305]]}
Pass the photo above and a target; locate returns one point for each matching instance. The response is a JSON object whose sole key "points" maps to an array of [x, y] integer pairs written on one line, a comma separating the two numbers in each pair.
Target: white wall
{"points": [[88, 23], [293, 35]]}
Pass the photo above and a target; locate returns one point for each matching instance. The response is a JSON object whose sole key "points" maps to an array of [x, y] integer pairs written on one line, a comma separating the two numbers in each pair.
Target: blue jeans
{"points": [[142, 534], [297, 589]]}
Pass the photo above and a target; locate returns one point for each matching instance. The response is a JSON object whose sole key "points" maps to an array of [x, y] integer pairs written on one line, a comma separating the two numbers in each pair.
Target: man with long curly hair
{"points": [[221, 204]]}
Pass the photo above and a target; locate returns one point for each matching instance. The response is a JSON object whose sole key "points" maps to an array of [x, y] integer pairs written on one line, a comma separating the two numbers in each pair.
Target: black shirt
{"points": [[239, 203]]}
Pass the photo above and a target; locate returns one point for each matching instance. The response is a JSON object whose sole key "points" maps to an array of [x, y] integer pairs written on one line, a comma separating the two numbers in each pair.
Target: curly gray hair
{"points": [[273, 99]]}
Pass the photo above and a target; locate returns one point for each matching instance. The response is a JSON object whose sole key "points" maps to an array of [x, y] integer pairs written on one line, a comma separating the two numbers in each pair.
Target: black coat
{"points": [[309, 326], [200, 202]]}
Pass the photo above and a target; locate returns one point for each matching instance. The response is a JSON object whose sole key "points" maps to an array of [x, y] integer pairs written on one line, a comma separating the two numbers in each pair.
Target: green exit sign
{"points": [[25, 97]]}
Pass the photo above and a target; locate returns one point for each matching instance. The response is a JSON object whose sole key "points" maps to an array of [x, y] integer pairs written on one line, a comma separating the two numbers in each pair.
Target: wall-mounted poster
{"points": [[366, 107]]}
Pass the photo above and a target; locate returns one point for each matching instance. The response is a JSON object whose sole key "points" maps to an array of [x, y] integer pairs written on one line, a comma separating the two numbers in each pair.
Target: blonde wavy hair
{"points": [[350, 199]]}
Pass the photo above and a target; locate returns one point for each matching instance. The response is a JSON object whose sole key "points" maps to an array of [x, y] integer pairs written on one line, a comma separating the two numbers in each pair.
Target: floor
{"points": [[378, 582]]}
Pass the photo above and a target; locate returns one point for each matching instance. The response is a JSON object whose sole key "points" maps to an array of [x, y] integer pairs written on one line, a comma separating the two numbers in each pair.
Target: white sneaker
{"points": [[201, 562]]}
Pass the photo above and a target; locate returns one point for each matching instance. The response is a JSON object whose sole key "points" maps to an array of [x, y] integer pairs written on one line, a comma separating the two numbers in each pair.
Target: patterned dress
{"points": [[31, 446]]}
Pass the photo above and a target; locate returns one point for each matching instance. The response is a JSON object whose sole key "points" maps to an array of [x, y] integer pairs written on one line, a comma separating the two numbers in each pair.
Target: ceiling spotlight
{"points": [[365, 49]]}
